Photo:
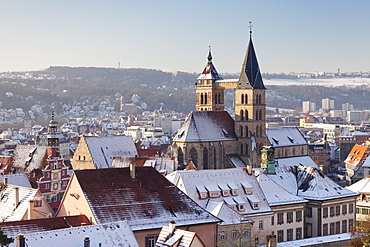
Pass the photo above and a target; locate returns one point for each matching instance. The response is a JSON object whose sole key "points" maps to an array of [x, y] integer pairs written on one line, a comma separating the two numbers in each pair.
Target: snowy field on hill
{"points": [[328, 82]]}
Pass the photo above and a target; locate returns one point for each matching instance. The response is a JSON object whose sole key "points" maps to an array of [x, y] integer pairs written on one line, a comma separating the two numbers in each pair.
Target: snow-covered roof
{"points": [[104, 148], [8, 210], [28, 158], [298, 160], [176, 238], [361, 187], [275, 194], [236, 160], [317, 241], [150, 201], [112, 234], [281, 137], [202, 126], [309, 183], [189, 181], [20, 179]]}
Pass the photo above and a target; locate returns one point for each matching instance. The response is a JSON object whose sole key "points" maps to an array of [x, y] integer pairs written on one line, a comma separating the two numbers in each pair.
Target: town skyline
{"points": [[170, 36]]}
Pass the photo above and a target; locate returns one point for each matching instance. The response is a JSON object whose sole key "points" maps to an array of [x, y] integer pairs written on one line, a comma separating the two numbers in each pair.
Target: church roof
{"points": [[209, 71], [282, 137], [202, 126], [250, 76]]}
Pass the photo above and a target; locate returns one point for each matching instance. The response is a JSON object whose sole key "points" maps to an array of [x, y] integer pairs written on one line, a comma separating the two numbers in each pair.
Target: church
{"points": [[210, 138]]}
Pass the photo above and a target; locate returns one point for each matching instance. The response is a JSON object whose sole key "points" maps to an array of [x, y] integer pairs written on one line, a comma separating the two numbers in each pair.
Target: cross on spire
{"points": [[250, 28]]}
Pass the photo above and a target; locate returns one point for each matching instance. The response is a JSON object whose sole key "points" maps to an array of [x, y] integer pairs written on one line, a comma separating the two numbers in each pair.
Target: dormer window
{"points": [[230, 202], [247, 188], [202, 192], [213, 191], [225, 190], [254, 201], [275, 140], [234, 188], [240, 204], [226, 134]]}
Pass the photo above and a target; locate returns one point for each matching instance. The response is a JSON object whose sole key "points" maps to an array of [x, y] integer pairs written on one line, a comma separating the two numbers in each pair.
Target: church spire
{"points": [[250, 75], [209, 71]]}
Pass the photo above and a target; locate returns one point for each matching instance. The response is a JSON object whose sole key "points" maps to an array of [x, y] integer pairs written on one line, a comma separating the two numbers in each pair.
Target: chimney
{"points": [[20, 241], [171, 227], [16, 195], [87, 242], [133, 171], [30, 210], [5, 181], [249, 168]]}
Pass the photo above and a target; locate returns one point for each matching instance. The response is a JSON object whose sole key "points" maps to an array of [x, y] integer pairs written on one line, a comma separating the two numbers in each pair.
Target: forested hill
{"points": [[174, 90]]}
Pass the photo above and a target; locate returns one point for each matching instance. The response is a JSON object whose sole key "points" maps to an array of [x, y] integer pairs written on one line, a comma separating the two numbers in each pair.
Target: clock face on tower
{"points": [[263, 156], [270, 157]]}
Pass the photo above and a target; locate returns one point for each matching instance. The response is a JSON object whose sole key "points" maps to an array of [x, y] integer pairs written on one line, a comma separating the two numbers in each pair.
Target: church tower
{"points": [[209, 96], [250, 109]]}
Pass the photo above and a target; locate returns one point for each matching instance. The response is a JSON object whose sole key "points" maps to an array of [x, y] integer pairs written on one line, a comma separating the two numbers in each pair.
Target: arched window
{"points": [[261, 131], [205, 98], [256, 117], [246, 149], [219, 98], [246, 115], [241, 149], [180, 156], [242, 98], [302, 150], [205, 159], [201, 99], [241, 115], [214, 157], [246, 131], [193, 156], [241, 131], [246, 98], [261, 114]]}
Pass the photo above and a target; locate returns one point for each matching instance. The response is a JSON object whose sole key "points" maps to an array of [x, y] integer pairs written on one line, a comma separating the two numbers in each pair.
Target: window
{"points": [[364, 211], [37, 203], [289, 234], [337, 210], [331, 228], [46, 186], [234, 234], [298, 216], [357, 210], [325, 229], [350, 223], [260, 225], [272, 220], [280, 218], [47, 175], [255, 206], [325, 212], [150, 240], [280, 236], [344, 209], [298, 233], [337, 227], [344, 226], [289, 218], [222, 235], [256, 242], [350, 208], [309, 212], [331, 211], [247, 233]]}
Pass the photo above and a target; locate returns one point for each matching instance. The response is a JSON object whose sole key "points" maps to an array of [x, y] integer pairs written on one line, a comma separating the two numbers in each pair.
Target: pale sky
{"points": [[174, 35]]}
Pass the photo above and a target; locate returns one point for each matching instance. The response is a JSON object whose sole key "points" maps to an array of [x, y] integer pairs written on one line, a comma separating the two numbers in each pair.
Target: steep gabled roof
{"points": [[309, 183], [203, 126], [14, 228], [29, 157], [210, 71], [104, 148], [357, 155], [178, 238], [149, 201], [250, 75], [20, 179], [8, 210]]}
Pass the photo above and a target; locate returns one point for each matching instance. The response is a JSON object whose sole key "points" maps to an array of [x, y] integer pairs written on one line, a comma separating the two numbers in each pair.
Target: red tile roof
{"points": [[14, 228], [150, 199]]}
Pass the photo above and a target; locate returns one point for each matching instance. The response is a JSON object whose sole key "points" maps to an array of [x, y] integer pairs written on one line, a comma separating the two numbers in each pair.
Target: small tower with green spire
{"points": [[209, 96]]}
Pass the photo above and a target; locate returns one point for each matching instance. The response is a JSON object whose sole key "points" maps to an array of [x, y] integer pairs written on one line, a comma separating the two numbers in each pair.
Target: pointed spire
{"points": [[250, 76], [209, 71]]}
